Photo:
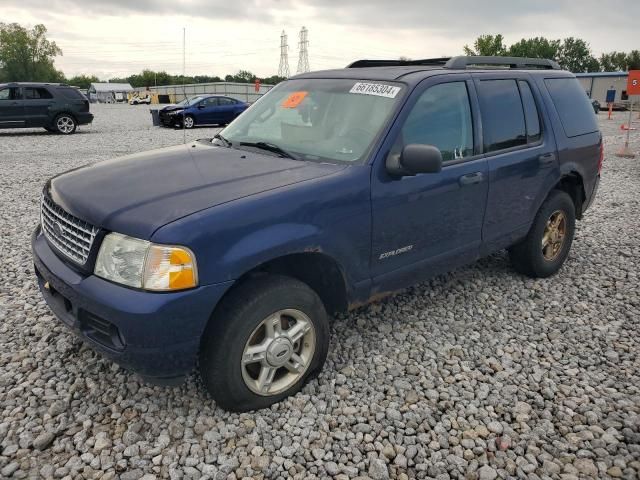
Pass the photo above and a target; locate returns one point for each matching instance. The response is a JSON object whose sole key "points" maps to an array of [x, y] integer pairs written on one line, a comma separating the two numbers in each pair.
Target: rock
{"points": [[495, 427], [378, 469], [102, 442], [586, 466], [331, 468], [487, 473], [44, 440]]}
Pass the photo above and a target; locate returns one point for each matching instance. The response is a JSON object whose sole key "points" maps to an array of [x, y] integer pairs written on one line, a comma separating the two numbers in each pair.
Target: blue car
{"points": [[202, 110], [228, 255]]}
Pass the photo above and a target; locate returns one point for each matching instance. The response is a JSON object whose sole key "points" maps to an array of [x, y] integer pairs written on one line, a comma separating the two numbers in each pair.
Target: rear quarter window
{"points": [[71, 94], [572, 105]]}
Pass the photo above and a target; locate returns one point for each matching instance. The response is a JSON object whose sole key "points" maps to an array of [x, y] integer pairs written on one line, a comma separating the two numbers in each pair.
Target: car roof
{"points": [[32, 84]]}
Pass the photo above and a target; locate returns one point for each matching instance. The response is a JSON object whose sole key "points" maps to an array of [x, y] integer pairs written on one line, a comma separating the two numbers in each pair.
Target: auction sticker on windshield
{"points": [[293, 100], [377, 89]]}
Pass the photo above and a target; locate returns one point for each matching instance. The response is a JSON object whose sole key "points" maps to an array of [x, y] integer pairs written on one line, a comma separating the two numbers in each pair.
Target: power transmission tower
{"points": [[303, 58], [283, 69]]}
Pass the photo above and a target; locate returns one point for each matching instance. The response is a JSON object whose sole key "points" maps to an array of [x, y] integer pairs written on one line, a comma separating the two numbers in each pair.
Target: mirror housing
{"points": [[415, 158]]}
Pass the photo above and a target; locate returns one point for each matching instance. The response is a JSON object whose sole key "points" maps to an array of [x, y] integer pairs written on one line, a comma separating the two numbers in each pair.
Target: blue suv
{"points": [[202, 110], [229, 254]]}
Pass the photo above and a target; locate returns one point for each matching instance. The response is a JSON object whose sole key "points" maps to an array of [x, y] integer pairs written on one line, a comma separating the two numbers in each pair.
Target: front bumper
{"points": [[156, 335]]}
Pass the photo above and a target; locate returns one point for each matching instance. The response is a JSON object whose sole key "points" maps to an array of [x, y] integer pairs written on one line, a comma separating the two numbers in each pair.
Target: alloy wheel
{"points": [[65, 124], [555, 232]]}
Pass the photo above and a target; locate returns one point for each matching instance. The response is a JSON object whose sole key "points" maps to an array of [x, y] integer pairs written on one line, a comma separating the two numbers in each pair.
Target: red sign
{"points": [[257, 84], [633, 82]]}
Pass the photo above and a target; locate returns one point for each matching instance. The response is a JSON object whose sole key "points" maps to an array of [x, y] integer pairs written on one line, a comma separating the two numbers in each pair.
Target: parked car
{"points": [[56, 107], [140, 98], [336, 188], [202, 110]]}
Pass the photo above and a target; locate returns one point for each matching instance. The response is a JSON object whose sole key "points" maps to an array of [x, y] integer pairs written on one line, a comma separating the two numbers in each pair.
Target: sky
{"points": [[120, 37]]}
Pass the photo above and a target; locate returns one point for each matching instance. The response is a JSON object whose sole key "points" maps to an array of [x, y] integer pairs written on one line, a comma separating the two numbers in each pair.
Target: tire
{"points": [[545, 248], [65, 124], [231, 370], [189, 122]]}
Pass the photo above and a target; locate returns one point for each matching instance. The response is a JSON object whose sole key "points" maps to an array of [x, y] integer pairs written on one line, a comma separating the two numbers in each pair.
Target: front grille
{"points": [[70, 235]]}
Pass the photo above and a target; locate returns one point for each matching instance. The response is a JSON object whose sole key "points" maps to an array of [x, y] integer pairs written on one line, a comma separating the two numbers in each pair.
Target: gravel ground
{"points": [[480, 373]]}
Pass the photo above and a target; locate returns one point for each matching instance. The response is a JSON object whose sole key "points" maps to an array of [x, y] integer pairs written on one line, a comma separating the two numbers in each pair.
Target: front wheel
{"points": [[264, 343], [546, 247], [65, 124], [188, 122]]}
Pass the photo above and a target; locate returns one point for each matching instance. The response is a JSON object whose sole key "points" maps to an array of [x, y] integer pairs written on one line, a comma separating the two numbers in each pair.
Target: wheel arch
{"points": [[572, 183]]}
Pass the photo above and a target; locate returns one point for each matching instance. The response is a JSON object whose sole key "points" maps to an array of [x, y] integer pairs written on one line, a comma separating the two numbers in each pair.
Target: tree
{"points": [[273, 80], [27, 55], [613, 61], [487, 45], [82, 81], [633, 60], [575, 55], [538, 47]]}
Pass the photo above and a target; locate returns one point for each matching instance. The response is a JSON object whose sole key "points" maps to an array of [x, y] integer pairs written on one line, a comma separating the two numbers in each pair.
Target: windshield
{"points": [[189, 101], [332, 120]]}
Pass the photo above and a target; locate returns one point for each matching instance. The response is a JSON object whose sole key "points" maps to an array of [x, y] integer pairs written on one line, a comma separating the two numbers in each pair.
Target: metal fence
{"points": [[245, 92]]}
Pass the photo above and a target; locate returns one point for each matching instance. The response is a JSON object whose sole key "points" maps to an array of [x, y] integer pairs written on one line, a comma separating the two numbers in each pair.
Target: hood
{"points": [[172, 108], [137, 194]]}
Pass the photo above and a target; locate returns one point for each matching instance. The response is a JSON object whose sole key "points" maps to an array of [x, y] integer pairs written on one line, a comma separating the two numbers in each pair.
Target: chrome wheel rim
{"points": [[188, 122], [278, 352], [555, 231], [65, 124]]}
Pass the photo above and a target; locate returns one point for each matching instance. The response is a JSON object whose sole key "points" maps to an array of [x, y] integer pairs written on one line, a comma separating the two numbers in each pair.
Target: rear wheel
{"points": [[546, 247], [264, 343], [65, 124]]}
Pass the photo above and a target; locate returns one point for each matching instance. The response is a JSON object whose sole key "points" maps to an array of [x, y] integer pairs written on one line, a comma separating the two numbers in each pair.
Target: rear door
{"points": [[432, 222], [11, 107], [227, 109], [520, 148], [37, 104]]}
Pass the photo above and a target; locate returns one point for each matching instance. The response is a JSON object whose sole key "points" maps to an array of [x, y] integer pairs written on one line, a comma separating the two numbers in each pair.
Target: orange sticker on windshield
{"points": [[293, 100]]}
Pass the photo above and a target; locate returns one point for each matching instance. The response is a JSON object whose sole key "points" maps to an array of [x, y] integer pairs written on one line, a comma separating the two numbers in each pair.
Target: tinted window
{"points": [[226, 101], [210, 102], [502, 115], [72, 93], [36, 93], [572, 105], [9, 93], [441, 117], [531, 116]]}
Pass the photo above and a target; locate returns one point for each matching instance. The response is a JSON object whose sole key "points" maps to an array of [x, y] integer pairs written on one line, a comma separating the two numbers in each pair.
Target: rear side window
{"points": [[531, 116], [71, 94], [36, 93], [10, 93], [572, 105], [503, 121]]}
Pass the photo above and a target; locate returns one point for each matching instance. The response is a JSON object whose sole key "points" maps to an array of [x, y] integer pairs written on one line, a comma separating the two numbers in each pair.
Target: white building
{"points": [[109, 92]]}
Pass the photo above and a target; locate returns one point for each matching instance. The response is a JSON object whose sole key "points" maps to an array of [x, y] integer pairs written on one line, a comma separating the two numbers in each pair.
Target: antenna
{"points": [[303, 58], [184, 72], [283, 69]]}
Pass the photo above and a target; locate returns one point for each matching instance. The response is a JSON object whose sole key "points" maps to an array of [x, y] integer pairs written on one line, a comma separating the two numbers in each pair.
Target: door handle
{"points": [[471, 179], [547, 158]]}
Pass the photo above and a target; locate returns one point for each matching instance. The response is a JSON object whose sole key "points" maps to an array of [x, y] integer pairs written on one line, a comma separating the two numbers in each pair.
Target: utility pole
{"points": [[303, 58], [283, 69]]}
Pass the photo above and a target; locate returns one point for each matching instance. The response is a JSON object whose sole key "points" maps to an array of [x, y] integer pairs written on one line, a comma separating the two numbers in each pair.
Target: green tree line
{"points": [[27, 56], [573, 54]]}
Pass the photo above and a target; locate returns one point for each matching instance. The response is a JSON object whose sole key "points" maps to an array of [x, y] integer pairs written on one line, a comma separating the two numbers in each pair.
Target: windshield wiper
{"points": [[217, 136], [270, 147]]}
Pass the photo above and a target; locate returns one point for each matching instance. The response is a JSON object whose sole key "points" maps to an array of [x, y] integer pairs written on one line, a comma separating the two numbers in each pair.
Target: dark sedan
{"points": [[202, 110]]}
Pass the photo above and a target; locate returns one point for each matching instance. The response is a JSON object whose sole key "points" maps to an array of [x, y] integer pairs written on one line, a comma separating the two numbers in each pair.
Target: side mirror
{"points": [[415, 158]]}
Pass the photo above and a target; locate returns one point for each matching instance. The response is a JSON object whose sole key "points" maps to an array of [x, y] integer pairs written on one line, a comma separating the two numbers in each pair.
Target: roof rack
{"points": [[462, 63], [398, 63]]}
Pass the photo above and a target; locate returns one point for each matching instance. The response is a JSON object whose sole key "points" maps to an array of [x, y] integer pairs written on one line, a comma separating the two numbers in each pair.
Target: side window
{"points": [[532, 119], [441, 117], [9, 93], [36, 93], [573, 106], [503, 123], [226, 101], [211, 102]]}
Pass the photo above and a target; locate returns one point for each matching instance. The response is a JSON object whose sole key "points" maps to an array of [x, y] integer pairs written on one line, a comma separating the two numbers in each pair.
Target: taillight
{"points": [[601, 158]]}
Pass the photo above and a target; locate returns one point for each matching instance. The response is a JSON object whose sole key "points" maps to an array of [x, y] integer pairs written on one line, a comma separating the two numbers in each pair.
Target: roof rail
{"points": [[399, 63], [462, 63]]}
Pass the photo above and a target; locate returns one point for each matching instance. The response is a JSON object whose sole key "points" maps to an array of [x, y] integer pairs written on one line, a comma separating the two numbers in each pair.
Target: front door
{"points": [[37, 101], [429, 223], [209, 114], [11, 107]]}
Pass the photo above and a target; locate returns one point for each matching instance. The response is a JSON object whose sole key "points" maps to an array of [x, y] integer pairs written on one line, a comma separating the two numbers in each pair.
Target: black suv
{"points": [[56, 107]]}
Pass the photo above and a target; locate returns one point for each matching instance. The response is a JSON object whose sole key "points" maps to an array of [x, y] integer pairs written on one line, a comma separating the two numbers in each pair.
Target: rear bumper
{"points": [[156, 335], [84, 118]]}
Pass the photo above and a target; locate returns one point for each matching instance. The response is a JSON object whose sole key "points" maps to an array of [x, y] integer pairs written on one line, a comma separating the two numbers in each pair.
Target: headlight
{"points": [[142, 264]]}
